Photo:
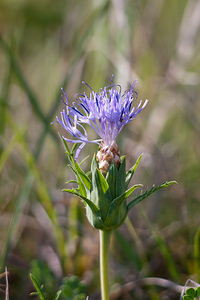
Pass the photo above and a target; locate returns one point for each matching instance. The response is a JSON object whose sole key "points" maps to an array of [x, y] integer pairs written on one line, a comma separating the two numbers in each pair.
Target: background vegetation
{"points": [[46, 45]]}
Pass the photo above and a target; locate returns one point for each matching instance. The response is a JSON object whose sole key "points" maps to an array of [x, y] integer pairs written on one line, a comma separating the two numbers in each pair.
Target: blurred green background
{"points": [[46, 45]]}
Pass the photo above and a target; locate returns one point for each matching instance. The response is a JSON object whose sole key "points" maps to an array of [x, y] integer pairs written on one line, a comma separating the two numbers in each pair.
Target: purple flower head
{"points": [[106, 112]]}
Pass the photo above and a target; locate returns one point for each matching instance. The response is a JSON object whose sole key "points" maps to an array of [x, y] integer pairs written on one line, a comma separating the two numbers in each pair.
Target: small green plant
{"points": [[190, 293], [48, 287]]}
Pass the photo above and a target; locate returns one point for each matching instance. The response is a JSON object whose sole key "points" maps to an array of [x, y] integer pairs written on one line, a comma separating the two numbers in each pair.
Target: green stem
{"points": [[104, 250]]}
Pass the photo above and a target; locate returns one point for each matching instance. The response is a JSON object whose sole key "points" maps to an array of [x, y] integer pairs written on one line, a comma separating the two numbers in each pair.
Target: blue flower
{"points": [[106, 112], [104, 190]]}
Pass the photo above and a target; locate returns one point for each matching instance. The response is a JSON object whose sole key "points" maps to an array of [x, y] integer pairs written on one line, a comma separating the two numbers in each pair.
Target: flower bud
{"points": [[108, 155]]}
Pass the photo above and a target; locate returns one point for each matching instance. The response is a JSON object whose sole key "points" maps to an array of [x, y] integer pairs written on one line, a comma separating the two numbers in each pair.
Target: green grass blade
{"points": [[37, 287], [170, 264], [128, 250], [12, 229], [4, 103], [42, 193], [58, 295], [29, 178], [139, 245], [7, 151], [31, 96]]}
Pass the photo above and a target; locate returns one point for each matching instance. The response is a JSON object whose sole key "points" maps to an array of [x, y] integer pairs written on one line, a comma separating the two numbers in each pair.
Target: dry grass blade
{"points": [[2, 275]]}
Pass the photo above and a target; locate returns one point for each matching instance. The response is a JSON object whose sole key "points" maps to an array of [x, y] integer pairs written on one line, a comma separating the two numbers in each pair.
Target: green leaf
{"points": [[190, 292], [116, 178], [187, 298], [118, 209], [130, 172], [69, 153], [58, 294], [94, 165], [71, 181], [81, 185], [37, 287], [119, 200], [148, 193], [88, 173], [85, 179], [45, 278], [102, 193], [71, 191], [121, 178], [73, 289], [111, 177], [82, 162], [102, 181], [65, 144], [93, 207], [34, 294], [198, 291], [74, 147]]}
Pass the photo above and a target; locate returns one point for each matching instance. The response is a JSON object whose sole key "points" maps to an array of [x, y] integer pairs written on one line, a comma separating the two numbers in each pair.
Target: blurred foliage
{"points": [[46, 45], [48, 287], [192, 293]]}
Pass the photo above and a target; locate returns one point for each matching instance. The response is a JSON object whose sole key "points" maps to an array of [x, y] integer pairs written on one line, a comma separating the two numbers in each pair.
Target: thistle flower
{"points": [[106, 112], [105, 190]]}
